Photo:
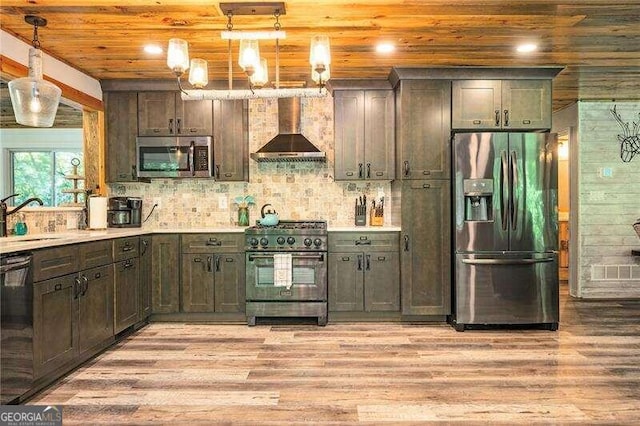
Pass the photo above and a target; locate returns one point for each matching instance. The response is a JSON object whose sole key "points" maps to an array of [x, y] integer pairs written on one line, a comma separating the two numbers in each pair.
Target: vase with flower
{"points": [[243, 204]]}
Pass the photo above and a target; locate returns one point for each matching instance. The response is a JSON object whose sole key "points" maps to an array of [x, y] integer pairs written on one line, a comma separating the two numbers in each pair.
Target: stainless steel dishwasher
{"points": [[16, 326]]}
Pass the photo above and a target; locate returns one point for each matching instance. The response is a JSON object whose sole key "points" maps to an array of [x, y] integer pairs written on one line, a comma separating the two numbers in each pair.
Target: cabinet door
{"points": [[379, 135], [156, 114], [346, 281], [526, 104], [197, 283], [348, 107], [231, 140], [381, 281], [144, 292], [54, 323], [426, 248], [95, 306], [165, 294], [423, 126], [476, 104], [193, 118], [229, 282], [126, 294], [121, 124]]}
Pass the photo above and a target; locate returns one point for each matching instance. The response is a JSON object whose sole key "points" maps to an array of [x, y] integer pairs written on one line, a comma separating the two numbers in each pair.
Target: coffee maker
{"points": [[124, 212]]}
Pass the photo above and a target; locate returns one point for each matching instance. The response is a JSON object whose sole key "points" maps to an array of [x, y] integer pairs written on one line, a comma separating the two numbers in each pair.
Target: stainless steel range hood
{"points": [[289, 144]]}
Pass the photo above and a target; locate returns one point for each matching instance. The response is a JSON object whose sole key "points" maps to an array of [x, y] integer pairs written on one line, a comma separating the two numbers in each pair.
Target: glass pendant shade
{"points": [[322, 76], [249, 58], [178, 55], [261, 75], [34, 100], [198, 73], [320, 54]]}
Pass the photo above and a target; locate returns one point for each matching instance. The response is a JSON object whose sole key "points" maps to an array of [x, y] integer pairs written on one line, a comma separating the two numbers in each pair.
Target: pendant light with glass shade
{"points": [[34, 100], [178, 61]]}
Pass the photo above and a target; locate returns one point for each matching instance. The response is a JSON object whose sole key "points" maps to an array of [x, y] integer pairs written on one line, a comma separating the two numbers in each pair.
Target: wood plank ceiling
{"points": [[597, 41]]}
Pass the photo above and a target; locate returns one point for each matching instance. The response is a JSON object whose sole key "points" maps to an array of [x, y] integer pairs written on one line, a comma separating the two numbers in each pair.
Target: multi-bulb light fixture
{"points": [[249, 59], [35, 100]]}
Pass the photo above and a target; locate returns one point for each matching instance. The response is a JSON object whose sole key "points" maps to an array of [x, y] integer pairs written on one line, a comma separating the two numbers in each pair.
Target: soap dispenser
{"points": [[20, 228]]}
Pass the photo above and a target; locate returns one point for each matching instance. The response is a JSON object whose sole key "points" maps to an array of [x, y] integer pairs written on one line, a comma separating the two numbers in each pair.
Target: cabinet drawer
{"points": [[95, 254], [207, 243], [363, 241], [54, 262], [126, 248]]}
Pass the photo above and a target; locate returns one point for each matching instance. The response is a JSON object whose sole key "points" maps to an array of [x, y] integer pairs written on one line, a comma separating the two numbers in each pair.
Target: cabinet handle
{"points": [[134, 172], [426, 185], [213, 242], [406, 243], [368, 262], [145, 244], [406, 168], [85, 286], [217, 263], [360, 170], [217, 172], [368, 170], [127, 247], [359, 262], [497, 118], [178, 123], [171, 125], [128, 264], [76, 287], [363, 243], [208, 263], [506, 117], [58, 287]]}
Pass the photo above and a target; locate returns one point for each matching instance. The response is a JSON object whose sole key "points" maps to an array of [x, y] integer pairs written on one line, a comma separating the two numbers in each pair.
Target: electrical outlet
{"points": [[156, 201], [222, 202]]}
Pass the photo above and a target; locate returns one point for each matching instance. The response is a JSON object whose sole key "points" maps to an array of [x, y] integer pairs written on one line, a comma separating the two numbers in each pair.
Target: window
{"points": [[42, 174]]}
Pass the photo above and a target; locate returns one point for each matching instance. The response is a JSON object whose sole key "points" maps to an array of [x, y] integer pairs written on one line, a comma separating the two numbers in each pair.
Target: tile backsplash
{"points": [[46, 220], [297, 191]]}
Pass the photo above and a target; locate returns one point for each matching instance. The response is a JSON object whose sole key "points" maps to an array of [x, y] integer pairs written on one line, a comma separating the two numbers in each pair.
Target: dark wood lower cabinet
{"points": [[55, 336], [364, 282], [166, 273], [126, 294], [229, 283], [95, 307], [197, 283]]}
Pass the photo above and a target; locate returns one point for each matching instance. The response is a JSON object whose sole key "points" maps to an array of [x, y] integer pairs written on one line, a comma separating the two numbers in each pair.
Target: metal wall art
{"points": [[630, 137]]}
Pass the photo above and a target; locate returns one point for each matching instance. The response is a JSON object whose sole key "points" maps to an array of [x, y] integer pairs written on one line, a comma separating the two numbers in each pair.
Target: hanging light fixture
{"points": [[255, 67], [198, 73], [35, 100]]}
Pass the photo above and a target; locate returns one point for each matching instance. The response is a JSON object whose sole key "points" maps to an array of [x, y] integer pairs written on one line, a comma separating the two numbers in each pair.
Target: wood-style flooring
{"points": [[587, 372]]}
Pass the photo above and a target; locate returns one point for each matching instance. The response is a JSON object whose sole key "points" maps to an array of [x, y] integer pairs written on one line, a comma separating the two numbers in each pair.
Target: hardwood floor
{"points": [[587, 372]]}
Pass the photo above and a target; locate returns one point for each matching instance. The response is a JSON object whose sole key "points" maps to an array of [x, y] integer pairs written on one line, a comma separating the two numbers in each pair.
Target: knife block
{"points": [[361, 216], [376, 220]]}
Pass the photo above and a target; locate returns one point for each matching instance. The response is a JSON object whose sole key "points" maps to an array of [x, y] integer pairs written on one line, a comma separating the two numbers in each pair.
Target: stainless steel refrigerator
{"points": [[506, 229]]}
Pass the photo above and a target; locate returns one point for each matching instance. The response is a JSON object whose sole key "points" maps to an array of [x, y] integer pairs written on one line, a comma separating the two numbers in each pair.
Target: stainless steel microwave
{"points": [[174, 156]]}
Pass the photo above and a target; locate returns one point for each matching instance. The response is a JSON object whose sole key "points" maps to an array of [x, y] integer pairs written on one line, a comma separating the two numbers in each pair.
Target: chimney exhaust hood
{"points": [[289, 144]]}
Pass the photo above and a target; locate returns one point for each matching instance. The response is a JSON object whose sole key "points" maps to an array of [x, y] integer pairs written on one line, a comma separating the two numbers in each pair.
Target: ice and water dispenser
{"points": [[478, 200]]}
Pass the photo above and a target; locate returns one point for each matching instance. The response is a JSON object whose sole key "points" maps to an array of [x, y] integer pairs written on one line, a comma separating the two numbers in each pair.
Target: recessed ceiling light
{"points": [[527, 48], [385, 48], [153, 49]]}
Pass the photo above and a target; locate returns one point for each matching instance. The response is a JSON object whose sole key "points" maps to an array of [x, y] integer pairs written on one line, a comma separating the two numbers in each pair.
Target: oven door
{"points": [[309, 277]]}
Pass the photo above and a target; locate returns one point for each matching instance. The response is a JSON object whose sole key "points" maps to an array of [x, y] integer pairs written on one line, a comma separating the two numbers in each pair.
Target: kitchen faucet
{"points": [[4, 213]]}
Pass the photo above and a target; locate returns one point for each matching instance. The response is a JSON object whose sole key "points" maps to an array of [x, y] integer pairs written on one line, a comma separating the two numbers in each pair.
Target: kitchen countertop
{"points": [[38, 241]]}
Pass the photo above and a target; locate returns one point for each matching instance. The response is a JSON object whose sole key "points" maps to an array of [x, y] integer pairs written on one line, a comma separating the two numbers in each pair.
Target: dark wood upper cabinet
{"points": [[121, 124], [364, 127], [423, 123], [502, 104], [166, 114], [231, 140]]}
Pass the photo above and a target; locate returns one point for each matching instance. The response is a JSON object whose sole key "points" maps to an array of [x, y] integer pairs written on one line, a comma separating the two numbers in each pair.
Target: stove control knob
{"points": [[317, 242], [307, 242], [253, 241], [264, 241], [280, 240], [291, 240]]}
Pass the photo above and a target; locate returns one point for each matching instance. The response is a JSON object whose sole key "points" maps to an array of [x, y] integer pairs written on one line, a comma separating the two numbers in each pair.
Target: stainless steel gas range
{"points": [[305, 294]]}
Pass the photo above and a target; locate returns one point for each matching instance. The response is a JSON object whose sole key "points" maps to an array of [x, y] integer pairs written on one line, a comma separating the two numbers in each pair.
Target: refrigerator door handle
{"points": [[504, 193], [507, 261], [514, 183]]}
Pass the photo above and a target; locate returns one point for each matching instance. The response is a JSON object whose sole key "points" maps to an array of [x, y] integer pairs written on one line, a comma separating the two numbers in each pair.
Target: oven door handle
{"points": [[319, 256]]}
